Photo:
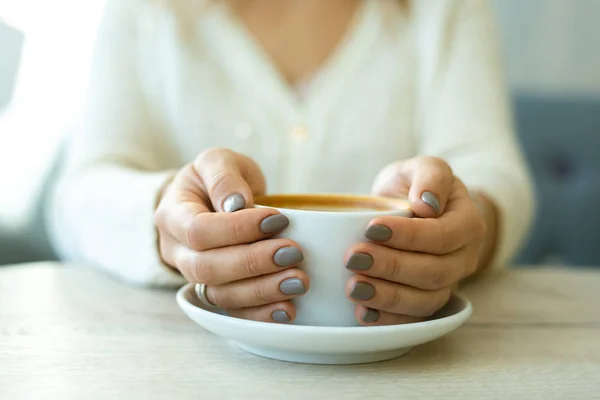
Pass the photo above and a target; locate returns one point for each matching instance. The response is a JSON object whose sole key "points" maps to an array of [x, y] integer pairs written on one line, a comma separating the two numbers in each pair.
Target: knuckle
{"points": [[195, 235], [391, 301], [216, 296], [387, 177], [250, 263], [235, 229], [166, 253], [395, 269], [191, 235], [203, 272], [439, 162], [447, 238], [411, 238], [391, 170], [219, 180], [161, 216], [441, 171], [438, 175], [439, 277], [261, 293], [211, 154]]}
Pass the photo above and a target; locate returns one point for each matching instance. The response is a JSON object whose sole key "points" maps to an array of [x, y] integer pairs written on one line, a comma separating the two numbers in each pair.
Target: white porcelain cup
{"points": [[325, 226]]}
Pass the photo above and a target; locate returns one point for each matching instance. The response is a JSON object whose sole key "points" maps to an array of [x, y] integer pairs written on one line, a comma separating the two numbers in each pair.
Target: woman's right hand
{"points": [[210, 233]]}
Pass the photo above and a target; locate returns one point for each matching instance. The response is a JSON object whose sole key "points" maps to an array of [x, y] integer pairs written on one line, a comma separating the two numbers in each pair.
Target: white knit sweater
{"points": [[399, 85]]}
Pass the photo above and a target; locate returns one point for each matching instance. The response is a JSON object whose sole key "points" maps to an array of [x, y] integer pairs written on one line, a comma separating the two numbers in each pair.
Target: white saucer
{"points": [[325, 345]]}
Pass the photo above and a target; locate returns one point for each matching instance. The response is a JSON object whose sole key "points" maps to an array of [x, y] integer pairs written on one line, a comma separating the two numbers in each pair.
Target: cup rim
{"points": [[387, 204]]}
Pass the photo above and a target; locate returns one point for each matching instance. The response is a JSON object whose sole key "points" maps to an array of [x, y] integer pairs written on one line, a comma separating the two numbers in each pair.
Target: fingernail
{"points": [[432, 200], [274, 223], [370, 316], [280, 316], [292, 286], [234, 202], [362, 291], [378, 233], [288, 256], [360, 262]]}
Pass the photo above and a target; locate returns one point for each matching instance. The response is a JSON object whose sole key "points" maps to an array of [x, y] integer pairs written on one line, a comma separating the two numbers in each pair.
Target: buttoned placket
{"points": [[289, 123]]}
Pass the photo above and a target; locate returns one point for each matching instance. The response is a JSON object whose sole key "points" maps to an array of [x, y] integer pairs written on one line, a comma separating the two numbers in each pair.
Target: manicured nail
{"points": [[378, 233], [234, 202], [360, 262], [370, 316], [432, 200], [274, 223], [362, 291], [280, 316], [288, 256], [292, 286]]}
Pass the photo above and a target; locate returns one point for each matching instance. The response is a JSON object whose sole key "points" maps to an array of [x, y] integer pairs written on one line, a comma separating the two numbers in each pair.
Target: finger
{"points": [[208, 230], [391, 182], [431, 180], [230, 180], [179, 205], [459, 226], [419, 270], [260, 290], [253, 175], [168, 247], [282, 312], [394, 298], [371, 317], [220, 266], [426, 181]]}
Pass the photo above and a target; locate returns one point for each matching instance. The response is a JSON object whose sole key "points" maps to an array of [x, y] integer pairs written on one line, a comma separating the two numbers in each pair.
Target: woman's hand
{"points": [[208, 234], [409, 269]]}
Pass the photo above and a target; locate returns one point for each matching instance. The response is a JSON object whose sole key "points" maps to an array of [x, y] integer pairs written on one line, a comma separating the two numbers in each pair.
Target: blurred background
{"points": [[552, 63]]}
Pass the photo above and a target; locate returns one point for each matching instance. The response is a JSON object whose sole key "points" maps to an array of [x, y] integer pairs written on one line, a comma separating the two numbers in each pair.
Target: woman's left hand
{"points": [[410, 267]]}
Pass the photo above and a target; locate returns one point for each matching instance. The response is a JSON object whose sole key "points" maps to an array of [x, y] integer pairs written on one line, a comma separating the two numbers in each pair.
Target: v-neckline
{"points": [[249, 63]]}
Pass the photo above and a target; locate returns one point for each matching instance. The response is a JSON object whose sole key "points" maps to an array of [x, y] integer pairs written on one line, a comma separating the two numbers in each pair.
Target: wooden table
{"points": [[73, 333]]}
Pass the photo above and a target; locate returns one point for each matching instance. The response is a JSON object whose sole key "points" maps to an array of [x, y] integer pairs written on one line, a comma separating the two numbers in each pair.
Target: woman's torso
{"points": [[217, 88]]}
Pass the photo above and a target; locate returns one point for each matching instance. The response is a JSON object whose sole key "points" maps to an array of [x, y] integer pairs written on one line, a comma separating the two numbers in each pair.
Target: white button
{"points": [[299, 133], [244, 131]]}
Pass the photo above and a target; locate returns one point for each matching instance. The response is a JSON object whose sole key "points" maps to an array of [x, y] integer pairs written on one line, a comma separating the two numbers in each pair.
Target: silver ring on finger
{"points": [[200, 289]]}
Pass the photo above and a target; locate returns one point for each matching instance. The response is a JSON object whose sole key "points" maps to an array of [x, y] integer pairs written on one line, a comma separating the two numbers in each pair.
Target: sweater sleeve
{"points": [[464, 115], [117, 160]]}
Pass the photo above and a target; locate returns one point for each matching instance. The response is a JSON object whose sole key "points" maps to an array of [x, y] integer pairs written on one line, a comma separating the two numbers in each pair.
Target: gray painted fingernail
{"points": [[274, 223], [432, 200], [280, 316], [234, 202], [292, 286], [288, 256], [360, 262], [362, 291], [378, 233], [370, 316]]}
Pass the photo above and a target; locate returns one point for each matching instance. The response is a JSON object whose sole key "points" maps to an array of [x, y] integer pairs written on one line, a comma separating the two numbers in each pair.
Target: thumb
{"points": [[431, 180], [391, 182], [230, 180]]}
